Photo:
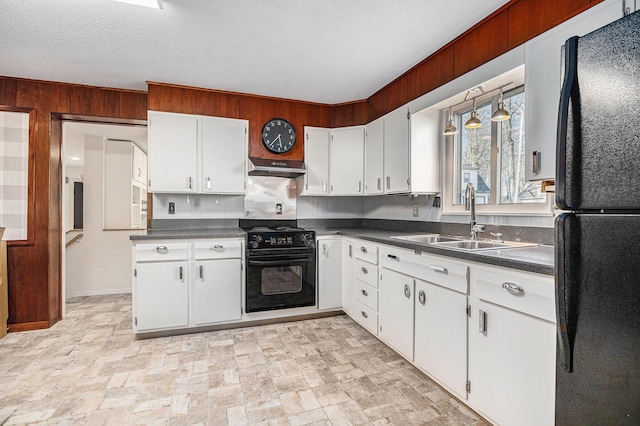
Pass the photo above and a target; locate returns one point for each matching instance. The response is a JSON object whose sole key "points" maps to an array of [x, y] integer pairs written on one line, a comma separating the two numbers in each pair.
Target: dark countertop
{"points": [[187, 234], [538, 259]]}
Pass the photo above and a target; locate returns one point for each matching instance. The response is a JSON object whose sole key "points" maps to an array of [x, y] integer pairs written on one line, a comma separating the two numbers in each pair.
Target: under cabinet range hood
{"points": [[277, 168]]}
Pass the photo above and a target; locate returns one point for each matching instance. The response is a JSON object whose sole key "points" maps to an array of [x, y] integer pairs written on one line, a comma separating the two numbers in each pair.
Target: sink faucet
{"points": [[470, 204]]}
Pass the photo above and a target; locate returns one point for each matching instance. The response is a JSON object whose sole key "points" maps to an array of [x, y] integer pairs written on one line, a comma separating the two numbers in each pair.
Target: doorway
{"points": [[102, 205]]}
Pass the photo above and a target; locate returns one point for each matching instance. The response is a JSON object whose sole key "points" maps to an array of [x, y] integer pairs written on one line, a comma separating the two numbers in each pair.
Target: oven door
{"points": [[280, 281]]}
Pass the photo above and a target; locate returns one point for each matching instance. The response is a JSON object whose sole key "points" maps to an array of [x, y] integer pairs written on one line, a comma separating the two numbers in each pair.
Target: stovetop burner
{"points": [[275, 229]]}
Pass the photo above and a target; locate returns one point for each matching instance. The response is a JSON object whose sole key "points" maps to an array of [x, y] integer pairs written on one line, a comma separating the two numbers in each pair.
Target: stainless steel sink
{"points": [[473, 245], [426, 238]]}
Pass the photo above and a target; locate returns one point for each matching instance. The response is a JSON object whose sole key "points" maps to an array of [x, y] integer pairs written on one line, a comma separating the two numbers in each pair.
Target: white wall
{"points": [[101, 262]]}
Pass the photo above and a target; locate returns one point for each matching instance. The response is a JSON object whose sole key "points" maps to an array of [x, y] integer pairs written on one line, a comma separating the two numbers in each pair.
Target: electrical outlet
{"points": [[172, 207], [415, 210], [436, 202]]}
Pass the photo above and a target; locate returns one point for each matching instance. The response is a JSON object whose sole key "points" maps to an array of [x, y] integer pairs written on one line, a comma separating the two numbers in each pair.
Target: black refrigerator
{"points": [[598, 239]]}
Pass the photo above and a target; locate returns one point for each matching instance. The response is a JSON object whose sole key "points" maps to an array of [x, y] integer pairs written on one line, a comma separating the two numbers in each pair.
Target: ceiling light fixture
{"points": [[154, 4], [451, 128], [501, 114]]}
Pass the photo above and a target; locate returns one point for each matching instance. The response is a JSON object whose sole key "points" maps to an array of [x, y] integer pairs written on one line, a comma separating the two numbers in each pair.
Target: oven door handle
{"points": [[279, 262]]}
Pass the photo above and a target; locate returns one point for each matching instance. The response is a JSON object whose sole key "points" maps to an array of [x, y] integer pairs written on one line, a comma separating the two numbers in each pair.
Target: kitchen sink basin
{"points": [[426, 238], [473, 245]]}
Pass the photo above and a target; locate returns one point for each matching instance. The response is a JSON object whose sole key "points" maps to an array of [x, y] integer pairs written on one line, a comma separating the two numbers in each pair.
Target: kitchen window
{"points": [[492, 159]]}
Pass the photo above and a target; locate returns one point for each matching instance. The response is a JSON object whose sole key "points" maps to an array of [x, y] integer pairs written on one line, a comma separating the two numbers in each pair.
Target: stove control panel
{"points": [[280, 239]]}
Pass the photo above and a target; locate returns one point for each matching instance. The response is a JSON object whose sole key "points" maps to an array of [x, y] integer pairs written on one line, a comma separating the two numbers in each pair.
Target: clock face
{"points": [[278, 135]]}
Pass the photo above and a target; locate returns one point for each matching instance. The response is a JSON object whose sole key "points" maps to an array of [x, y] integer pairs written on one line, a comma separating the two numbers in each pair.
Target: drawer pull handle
{"points": [[482, 322], [218, 247], [422, 297], [201, 272], [393, 256], [407, 291], [180, 273], [439, 269], [363, 249], [364, 314], [364, 270], [364, 292], [513, 288], [162, 249]]}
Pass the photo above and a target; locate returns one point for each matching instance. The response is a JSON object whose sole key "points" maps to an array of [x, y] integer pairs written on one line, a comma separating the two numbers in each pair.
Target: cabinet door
{"points": [[217, 286], [173, 150], [223, 155], [316, 156], [543, 80], [395, 317], [161, 296], [441, 335], [346, 165], [374, 157], [139, 171], [329, 273], [396, 151], [512, 366]]}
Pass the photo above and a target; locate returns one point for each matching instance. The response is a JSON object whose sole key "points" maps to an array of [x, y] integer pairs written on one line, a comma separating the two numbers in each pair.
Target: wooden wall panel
{"points": [[34, 268], [481, 45], [435, 71], [350, 114], [172, 98]]}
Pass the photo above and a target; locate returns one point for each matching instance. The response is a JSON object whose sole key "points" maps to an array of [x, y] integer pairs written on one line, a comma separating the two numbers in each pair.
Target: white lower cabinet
{"points": [[186, 284], [364, 285], [347, 278], [396, 311], [329, 280], [441, 335], [512, 346]]}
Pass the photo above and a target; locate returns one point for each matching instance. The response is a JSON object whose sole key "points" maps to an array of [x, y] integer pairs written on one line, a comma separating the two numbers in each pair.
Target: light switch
{"points": [[172, 207]]}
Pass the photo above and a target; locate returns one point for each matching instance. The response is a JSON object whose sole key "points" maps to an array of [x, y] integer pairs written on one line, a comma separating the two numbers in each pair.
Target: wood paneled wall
{"points": [[34, 270], [256, 109]]}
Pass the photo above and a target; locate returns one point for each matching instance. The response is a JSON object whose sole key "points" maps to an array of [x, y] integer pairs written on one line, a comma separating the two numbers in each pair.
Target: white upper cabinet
{"points": [[374, 157], [173, 150], [543, 81], [196, 154], [396, 151], [224, 155], [346, 164], [316, 155]]}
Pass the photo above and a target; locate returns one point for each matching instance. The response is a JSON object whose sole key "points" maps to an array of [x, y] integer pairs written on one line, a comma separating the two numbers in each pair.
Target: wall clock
{"points": [[278, 135]]}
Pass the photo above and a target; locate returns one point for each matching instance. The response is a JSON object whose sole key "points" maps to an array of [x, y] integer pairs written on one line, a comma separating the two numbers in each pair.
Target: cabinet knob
{"points": [[513, 288], [364, 292], [364, 314], [407, 291], [422, 297], [162, 249], [439, 269], [363, 249], [364, 270], [218, 247]]}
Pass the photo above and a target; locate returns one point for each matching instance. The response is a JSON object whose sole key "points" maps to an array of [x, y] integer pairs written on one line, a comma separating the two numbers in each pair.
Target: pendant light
{"points": [[451, 128], [473, 122], [501, 114]]}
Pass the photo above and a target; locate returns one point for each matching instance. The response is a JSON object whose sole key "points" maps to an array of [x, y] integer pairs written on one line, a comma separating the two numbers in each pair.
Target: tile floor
{"points": [[89, 369]]}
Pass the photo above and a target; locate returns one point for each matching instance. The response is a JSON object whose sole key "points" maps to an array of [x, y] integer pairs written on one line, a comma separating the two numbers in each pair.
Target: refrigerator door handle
{"points": [[566, 94], [565, 349]]}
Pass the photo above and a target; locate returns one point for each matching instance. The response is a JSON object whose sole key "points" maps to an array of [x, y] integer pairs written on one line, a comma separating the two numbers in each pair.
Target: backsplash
{"points": [[198, 206]]}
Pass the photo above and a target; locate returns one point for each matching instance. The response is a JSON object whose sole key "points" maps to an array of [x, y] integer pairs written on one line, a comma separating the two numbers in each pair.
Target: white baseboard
{"points": [[100, 292]]}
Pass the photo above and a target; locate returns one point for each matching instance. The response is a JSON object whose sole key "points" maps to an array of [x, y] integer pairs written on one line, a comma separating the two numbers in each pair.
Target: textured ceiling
{"points": [[327, 51]]}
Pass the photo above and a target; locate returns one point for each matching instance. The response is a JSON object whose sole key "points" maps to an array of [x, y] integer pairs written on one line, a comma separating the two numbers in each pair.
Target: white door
{"points": [[346, 164], [161, 296], [173, 150], [374, 157], [316, 157], [441, 335], [512, 381], [329, 274], [223, 155], [395, 317], [396, 151], [139, 171], [217, 286]]}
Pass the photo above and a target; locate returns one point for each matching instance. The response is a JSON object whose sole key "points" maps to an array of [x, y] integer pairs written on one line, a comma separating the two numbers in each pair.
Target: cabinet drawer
{"points": [[158, 252], [217, 249], [365, 271], [366, 317], [365, 251], [531, 294], [434, 269], [365, 294]]}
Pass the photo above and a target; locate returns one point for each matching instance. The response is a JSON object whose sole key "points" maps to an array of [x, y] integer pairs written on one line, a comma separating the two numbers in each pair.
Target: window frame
{"points": [[452, 179]]}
